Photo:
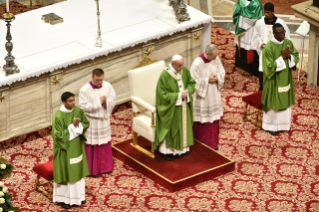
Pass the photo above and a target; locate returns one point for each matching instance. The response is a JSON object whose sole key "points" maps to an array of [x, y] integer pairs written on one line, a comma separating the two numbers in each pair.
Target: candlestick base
{"points": [[7, 16], [98, 42], [11, 69]]}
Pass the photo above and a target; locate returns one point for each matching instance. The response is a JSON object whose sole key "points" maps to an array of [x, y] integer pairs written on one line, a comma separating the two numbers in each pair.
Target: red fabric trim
{"points": [[254, 100], [250, 56], [45, 170]]}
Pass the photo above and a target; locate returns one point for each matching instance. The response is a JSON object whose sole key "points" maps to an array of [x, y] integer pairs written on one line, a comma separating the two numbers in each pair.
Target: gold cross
{"points": [[55, 80], [196, 36], [2, 96], [148, 51]]}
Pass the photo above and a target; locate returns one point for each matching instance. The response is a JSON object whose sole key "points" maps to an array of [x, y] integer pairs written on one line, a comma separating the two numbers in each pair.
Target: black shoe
{"points": [[168, 157], [66, 206], [216, 148], [94, 176], [186, 153], [110, 172], [83, 202], [273, 132]]}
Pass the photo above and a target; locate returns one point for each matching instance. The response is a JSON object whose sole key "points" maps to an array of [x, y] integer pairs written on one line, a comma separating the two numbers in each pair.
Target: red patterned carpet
{"points": [[277, 174]]}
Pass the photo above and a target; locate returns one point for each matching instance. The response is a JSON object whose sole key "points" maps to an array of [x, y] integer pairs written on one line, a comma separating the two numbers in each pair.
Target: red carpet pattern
{"points": [[277, 174]]}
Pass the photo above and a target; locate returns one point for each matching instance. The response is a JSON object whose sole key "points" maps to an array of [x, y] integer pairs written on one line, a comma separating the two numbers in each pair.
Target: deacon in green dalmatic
{"points": [[174, 110], [279, 57], [69, 156]]}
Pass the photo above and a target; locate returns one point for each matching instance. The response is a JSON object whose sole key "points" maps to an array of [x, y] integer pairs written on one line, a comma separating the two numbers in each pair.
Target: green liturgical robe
{"points": [[278, 93], [169, 117], [69, 157], [253, 11]]}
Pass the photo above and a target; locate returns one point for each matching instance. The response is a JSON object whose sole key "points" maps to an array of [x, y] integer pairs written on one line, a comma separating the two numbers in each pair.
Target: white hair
{"points": [[211, 48]]}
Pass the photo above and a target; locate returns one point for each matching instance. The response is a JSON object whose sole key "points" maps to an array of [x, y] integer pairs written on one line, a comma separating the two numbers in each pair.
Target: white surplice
{"points": [[99, 131], [248, 25], [163, 149], [275, 120], [258, 34], [72, 193], [207, 99]]}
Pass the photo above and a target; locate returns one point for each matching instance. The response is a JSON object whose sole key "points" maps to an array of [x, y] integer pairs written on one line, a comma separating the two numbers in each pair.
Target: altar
{"points": [[56, 58]]}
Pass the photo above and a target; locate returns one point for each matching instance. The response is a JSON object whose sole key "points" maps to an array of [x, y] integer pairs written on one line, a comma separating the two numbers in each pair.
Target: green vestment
{"points": [[169, 123], [278, 92], [69, 157], [253, 11]]}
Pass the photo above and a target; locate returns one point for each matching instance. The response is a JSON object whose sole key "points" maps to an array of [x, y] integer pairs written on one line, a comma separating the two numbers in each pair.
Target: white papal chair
{"points": [[143, 83]]}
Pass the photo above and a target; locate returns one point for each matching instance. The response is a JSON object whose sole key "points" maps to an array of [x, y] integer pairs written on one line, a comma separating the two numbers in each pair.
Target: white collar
{"points": [[173, 69], [274, 40], [64, 109]]}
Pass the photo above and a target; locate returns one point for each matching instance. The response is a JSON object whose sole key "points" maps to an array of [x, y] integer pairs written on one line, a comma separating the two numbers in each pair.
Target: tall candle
{"points": [[7, 3]]}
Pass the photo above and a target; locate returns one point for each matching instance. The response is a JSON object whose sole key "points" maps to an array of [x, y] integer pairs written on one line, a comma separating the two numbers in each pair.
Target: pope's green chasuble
{"points": [[169, 117], [278, 92], [253, 11], [69, 157]]}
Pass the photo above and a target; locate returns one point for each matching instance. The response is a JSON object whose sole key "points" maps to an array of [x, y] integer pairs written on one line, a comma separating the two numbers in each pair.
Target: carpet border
{"points": [[186, 178]]}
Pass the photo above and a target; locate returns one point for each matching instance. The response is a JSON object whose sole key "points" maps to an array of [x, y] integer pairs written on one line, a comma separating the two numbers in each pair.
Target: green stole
{"points": [[278, 92]]}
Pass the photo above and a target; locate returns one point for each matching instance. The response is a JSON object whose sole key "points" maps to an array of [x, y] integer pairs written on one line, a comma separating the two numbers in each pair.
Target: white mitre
{"points": [[176, 57]]}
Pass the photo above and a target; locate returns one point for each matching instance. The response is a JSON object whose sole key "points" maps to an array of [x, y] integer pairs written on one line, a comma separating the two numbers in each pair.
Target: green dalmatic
{"points": [[278, 92], [253, 11], [69, 157]]}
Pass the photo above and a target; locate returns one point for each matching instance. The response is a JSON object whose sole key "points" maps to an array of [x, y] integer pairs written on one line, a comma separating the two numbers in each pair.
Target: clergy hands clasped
{"points": [[286, 52], [103, 100], [76, 121], [212, 79], [184, 94]]}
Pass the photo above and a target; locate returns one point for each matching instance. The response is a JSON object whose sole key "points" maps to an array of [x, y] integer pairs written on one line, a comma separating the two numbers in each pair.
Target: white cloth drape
{"points": [[99, 131], [72, 193], [207, 99], [277, 120]]}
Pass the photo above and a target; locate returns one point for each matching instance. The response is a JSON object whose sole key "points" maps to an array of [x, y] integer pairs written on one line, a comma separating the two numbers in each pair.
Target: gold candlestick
{"points": [[9, 67]]}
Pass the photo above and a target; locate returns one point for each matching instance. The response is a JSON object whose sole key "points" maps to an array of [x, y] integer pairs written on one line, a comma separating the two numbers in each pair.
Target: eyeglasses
{"points": [[281, 33]]}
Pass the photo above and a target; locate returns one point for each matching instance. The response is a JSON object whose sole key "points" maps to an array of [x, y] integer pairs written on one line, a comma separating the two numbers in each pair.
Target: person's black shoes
{"points": [[83, 202], [94, 176], [216, 148], [66, 206], [168, 157], [273, 132]]}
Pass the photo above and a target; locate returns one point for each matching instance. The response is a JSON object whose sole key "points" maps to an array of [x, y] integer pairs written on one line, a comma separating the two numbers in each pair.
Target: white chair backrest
{"points": [[143, 81]]}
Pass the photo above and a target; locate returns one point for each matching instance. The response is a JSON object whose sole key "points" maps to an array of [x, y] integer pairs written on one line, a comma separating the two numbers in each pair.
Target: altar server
{"points": [[69, 157], [260, 34], [209, 73], [97, 100], [174, 110], [246, 13], [279, 57]]}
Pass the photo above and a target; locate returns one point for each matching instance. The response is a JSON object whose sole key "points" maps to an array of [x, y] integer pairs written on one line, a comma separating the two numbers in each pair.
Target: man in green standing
{"points": [[174, 110], [279, 57], [69, 156]]}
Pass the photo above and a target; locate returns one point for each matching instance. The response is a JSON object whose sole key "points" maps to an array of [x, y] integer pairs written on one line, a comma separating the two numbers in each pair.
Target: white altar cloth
{"points": [[40, 47]]}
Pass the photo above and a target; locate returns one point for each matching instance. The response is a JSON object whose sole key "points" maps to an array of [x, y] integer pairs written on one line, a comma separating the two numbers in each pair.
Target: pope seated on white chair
{"points": [[174, 110]]}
